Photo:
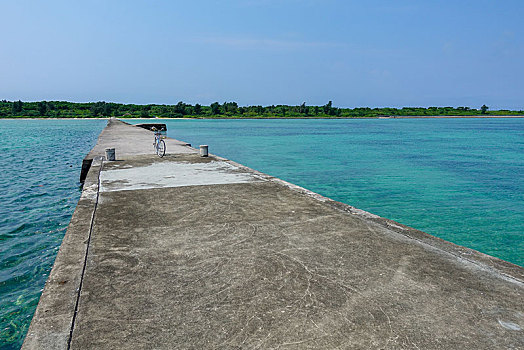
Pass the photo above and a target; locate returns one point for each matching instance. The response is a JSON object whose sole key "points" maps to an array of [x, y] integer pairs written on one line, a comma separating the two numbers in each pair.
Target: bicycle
{"points": [[159, 144]]}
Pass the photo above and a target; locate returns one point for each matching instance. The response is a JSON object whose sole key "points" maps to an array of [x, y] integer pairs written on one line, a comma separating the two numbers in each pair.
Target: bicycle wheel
{"points": [[161, 148]]}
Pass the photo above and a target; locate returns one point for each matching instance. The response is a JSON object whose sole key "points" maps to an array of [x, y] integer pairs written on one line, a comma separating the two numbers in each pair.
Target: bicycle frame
{"points": [[159, 144]]}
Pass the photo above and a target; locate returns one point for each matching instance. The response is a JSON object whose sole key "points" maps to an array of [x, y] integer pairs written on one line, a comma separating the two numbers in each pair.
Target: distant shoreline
{"points": [[231, 110], [52, 118], [452, 116], [287, 118]]}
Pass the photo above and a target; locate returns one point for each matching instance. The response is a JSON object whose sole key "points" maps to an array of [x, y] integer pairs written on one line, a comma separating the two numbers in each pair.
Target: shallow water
{"points": [[458, 179], [40, 163]]}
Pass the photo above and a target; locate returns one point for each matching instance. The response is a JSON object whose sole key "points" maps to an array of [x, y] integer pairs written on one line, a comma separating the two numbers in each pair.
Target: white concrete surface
{"points": [[172, 174]]}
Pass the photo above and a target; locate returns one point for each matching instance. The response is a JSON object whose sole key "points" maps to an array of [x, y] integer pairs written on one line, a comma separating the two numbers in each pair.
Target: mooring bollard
{"points": [[203, 150], [110, 154]]}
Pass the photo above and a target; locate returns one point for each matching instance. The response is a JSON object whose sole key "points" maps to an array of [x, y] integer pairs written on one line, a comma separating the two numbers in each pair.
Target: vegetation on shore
{"points": [[62, 109]]}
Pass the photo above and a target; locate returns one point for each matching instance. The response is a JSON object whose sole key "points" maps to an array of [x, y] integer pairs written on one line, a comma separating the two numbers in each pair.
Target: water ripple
{"points": [[458, 179], [38, 190]]}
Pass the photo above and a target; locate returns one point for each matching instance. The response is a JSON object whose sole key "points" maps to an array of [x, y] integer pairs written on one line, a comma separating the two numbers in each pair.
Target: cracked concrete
{"points": [[254, 262]]}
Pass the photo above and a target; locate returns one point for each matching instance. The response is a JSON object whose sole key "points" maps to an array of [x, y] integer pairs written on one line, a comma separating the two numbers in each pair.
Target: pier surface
{"points": [[184, 252]]}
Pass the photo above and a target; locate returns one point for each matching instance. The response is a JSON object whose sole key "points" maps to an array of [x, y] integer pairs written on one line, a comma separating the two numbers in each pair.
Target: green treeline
{"points": [[62, 109]]}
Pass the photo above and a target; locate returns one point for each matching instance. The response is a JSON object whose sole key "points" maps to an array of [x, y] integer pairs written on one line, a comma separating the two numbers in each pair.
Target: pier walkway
{"points": [[184, 252]]}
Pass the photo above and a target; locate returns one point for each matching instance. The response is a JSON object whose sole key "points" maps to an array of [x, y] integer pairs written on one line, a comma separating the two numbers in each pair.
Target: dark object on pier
{"points": [[158, 127]]}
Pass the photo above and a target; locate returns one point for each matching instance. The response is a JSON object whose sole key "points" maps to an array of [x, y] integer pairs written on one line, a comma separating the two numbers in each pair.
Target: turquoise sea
{"points": [[40, 163], [458, 179]]}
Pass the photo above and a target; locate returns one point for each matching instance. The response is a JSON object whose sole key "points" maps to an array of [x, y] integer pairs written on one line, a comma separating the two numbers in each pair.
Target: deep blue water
{"points": [[40, 163], [459, 179]]}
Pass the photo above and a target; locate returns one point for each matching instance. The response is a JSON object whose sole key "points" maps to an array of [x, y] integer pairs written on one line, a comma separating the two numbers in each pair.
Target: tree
{"points": [[484, 109], [115, 109], [215, 108], [180, 108], [107, 109], [328, 108], [230, 107], [198, 109], [99, 108], [17, 107], [144, 113], [306, 111], [42, 108], [94, 110], [303, 109]]}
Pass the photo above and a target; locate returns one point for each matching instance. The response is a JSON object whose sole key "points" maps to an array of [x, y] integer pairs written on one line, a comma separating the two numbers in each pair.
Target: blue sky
{"points": [[355, 53]]}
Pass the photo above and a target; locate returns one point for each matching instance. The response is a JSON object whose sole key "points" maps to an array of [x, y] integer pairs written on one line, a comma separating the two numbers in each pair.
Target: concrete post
{"points": [[203, 151], [110, 154]]}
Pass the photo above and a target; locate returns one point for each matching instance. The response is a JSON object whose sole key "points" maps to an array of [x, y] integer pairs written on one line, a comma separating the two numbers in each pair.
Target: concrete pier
{"points": [[189, 252]]}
